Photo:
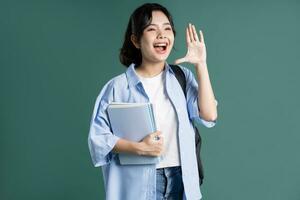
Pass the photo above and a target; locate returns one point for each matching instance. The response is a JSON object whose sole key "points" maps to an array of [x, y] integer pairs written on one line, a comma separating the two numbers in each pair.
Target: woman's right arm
{"points": [[102, 141], [149, 146]]}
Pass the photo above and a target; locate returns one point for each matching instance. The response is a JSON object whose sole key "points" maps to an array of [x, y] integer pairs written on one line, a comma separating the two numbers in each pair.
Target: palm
{"points": [[196, 51]]}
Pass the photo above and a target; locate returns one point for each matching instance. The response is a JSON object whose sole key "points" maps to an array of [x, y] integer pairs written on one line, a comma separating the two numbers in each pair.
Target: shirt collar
{"points": [[133, 78]]}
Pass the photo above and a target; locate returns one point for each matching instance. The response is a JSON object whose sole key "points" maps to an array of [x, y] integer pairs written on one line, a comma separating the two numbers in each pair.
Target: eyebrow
{"points": [[167, 23]]}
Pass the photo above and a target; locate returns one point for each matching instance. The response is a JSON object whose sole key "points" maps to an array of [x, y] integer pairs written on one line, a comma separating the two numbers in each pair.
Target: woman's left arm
{"points": [[196, 55], [206, 99]]}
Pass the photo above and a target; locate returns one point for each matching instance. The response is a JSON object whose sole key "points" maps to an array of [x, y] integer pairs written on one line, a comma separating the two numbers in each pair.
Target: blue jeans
{"points": [[169, 184]]}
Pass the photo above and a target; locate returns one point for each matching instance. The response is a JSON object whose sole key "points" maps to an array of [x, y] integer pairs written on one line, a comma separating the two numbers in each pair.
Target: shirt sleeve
{"points": [[101, 140], [192, 100]]}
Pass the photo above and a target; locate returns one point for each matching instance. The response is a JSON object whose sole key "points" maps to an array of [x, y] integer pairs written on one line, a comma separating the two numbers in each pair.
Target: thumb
{"points": [[157, 135], [180, 60]]}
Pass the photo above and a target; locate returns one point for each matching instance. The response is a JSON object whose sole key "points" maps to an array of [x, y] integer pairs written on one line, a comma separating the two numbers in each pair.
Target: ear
{"points": [[134, 41]]}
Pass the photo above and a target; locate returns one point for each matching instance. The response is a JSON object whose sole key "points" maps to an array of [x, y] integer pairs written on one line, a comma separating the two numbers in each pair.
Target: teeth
{"points": [[160, 45]]}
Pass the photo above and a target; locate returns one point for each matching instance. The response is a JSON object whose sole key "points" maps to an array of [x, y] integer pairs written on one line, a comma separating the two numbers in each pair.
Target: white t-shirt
{"points": [[165, 118]]}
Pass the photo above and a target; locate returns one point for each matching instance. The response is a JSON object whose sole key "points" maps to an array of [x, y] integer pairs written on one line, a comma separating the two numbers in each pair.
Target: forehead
{"points": [[158, 17]]}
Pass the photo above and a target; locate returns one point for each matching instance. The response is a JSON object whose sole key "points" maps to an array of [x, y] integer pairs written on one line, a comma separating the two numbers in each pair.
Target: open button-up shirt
{"points": [[129, 182]]}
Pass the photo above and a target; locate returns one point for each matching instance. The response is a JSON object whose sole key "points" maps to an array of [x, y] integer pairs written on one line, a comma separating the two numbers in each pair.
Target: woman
{"points": [[148, 42]]}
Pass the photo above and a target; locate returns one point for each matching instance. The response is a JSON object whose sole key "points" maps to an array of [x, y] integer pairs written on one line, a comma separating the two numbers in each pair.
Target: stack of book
{"points": [[132, 121]]}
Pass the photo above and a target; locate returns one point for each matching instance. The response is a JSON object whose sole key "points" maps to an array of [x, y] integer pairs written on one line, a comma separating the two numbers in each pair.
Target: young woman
{"points": [[148, 42]]}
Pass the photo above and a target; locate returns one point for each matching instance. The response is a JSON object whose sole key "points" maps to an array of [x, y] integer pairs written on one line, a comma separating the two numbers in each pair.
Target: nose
{"points": [[161, 35]]}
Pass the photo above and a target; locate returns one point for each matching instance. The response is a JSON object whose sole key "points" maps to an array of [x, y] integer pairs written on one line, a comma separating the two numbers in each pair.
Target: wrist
{"points": [[138, 148], [201, 64], [201, 68]]}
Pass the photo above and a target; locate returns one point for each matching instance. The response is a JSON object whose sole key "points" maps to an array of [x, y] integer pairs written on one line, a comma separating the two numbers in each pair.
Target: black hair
{"points": [[139, 20]]}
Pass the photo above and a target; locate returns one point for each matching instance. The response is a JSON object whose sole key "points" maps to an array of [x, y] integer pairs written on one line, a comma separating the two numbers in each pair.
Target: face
{"points": [[157, 40]]}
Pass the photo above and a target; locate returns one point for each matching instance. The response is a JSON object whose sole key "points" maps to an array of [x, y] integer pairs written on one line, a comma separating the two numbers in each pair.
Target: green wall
{"points": [[56, 55]]}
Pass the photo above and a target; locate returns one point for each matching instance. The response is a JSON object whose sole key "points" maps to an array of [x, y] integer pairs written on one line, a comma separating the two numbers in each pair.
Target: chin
{"points": [[159, 60], [162, 58]]}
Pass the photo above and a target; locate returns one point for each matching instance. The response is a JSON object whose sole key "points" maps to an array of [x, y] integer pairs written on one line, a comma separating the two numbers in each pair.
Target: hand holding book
{"points": [[152, 145], [134, 124]]}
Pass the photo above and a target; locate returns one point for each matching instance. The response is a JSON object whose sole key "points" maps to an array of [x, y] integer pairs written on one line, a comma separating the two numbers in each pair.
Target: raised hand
{"points": [[196, 50]]}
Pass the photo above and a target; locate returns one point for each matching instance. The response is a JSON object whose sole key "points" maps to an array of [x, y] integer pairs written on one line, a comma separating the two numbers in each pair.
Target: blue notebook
{"points": [[132, 121]]}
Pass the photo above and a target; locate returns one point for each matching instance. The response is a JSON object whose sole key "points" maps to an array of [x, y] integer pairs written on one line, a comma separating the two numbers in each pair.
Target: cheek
{"points": [[171, 38], [171, 42], [146, 43], [146, 48]]}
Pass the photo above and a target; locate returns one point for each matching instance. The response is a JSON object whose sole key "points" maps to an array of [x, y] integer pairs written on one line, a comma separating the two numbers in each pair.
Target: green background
{"points": [[56, 55]]}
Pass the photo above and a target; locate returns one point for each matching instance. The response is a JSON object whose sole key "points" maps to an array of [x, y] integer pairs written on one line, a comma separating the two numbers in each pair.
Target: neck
{"points": [[149, 70]]}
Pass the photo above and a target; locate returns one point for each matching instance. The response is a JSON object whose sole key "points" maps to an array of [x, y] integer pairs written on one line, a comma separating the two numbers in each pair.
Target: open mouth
{"points": [[161, 47]]}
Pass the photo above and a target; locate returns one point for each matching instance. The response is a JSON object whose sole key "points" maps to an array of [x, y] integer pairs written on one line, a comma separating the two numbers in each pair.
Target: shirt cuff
{"points": [[197, 119], [207, 124], [100, 155]]}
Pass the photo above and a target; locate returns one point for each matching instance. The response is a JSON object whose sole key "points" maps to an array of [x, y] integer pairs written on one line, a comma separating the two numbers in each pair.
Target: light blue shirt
{"points": [[138, 181]]}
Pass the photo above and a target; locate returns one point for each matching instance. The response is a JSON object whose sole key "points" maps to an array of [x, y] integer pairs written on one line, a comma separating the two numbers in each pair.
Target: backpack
{"points": [[180, 76]]}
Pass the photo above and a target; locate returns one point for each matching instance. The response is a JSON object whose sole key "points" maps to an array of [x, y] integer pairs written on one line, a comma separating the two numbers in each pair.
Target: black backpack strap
{"points": [[180, 76]]}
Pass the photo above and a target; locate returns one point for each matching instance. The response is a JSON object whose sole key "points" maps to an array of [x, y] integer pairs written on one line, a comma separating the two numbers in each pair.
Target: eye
{"points": [[168, 28], [150, 29]]}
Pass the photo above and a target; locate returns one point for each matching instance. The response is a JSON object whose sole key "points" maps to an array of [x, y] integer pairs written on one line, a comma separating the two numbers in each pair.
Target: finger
{"points": [[160, 140], [158, 135], [180, 60], [188, 39], [195, 33], [201, 36], [161, 136], [156, 138], [191, 33]]}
